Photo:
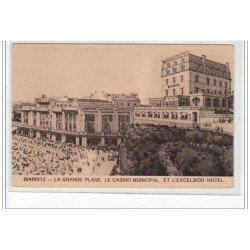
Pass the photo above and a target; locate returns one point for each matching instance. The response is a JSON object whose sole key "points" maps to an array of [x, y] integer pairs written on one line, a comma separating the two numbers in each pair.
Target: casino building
{"points": [[84, 122], [196, 90]]}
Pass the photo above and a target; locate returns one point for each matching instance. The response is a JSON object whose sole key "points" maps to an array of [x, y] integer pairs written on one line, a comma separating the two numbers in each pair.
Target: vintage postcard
{"points": [[122, 115]]}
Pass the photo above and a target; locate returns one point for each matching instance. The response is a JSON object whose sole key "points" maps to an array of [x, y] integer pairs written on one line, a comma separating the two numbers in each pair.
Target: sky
{"points": [[76, 70]]}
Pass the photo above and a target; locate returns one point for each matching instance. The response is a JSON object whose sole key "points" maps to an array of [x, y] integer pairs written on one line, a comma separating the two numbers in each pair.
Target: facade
{"points": [[195, 91], [121, 101], [84, 122]]}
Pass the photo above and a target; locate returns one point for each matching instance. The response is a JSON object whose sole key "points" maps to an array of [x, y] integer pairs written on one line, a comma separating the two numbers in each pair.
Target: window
{"points": [[182, 60], [184, 101], [224, 103], [181, 90], [181, 78], [165, 115], [173, 79], [44, 120], [166, 81], [175, 63], [174, 70], [89, 123], [168, 65], [174, 115], [182, 67], [184, 116], [150, 114], [137, 113], [208, 80], [215, 92], [225, 84], [70, 122], [196, 101], [157, 115], [107, 123], [220, 93], [121, 104], [215, 82], [220, 83], [58, 121], [25, 117], [225, 92], [196, 78], [128, 104], [124, 123], [166, 92], [196, 90], [208, 102], [173, 91], [216, 102], [34, 118]]}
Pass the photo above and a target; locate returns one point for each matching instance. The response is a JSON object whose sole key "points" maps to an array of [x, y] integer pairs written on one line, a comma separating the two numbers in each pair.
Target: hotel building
{"points": [[84, 122], [196, 90]]}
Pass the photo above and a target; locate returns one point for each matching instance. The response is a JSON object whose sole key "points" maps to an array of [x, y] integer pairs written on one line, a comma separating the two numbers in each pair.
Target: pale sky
{"points": [[76, 70]]}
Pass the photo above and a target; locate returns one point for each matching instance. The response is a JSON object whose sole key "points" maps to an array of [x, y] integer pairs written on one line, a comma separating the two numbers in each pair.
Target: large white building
{"points": [[195, 90], [86, 121]]}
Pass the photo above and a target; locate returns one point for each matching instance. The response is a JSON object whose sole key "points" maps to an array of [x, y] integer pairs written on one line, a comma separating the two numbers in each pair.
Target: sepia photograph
{"points": [[122, 115]]}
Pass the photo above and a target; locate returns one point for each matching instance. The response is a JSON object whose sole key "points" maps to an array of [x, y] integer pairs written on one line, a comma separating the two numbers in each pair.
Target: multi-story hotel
{"points": [[196, 90], [84, 122]]}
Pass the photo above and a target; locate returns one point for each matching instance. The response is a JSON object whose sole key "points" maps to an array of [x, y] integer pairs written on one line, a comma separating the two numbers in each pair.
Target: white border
{"points": [[235, 193]]}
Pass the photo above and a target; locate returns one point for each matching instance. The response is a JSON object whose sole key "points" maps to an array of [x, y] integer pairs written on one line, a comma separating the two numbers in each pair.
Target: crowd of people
{"points": [[32, 156]]}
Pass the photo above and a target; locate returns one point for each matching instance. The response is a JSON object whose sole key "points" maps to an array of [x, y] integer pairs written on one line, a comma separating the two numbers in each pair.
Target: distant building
{"points": [[86, 121], [195, 91], [122, 101]]}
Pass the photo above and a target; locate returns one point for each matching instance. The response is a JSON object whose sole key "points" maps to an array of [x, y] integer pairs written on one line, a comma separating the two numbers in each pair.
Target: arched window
{"points": [[137, 113], [174, 116], [165, 115], [157, 115], [230, 103], [216, 102], [150, 114], [208, 102], [196, 101], [143, 114], [184, 116], [224, 103]]}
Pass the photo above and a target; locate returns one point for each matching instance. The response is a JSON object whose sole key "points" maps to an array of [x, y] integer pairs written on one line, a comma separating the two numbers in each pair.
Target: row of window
{"points": [[128, 104], [70, 122], [215, 82], [164, 103], [208, 81], [174, 70], [196, 90], [174, 80], [213, 92], [163, 115], [174, 63], [174, 92]]}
